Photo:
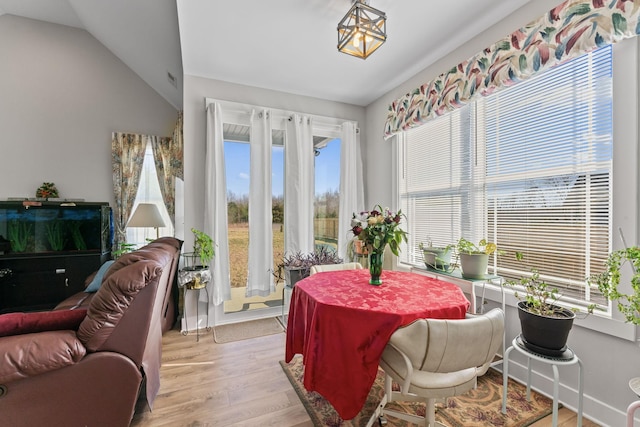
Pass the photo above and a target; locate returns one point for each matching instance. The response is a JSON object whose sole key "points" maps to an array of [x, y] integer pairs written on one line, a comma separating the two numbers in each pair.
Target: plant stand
{"points": [[634, 385], [568, 358], [194, 280]]}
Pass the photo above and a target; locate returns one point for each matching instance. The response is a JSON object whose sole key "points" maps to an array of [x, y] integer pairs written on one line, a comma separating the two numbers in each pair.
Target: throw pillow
{"points": [[97, 279], [39, 321]]}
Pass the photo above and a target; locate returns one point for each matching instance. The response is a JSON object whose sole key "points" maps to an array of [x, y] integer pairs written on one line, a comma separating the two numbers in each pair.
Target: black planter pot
{"points": [[545, 334]]}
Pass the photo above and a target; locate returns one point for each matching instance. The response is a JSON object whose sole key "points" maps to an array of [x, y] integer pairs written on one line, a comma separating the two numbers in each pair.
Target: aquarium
{"points": [[31, 227]]}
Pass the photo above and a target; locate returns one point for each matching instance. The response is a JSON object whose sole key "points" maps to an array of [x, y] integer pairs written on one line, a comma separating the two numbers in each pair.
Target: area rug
{"points": [[245, 330], [478, 408]]}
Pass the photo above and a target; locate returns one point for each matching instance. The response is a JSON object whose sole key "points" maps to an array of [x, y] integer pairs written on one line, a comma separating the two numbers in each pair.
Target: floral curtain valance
{"points": [[567, 31]]}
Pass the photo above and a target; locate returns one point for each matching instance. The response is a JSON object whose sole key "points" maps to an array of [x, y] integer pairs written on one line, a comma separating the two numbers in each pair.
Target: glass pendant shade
{"points": [[362, 30]]}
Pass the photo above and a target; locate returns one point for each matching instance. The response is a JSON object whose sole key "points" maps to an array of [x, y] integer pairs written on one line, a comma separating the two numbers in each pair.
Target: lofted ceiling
{"points": [[284, 45]]}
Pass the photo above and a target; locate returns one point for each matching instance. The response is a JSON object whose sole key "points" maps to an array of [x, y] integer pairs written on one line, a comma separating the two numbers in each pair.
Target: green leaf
{"points": [[619, 23], [579, 9], [522, 62], [503, 45]]}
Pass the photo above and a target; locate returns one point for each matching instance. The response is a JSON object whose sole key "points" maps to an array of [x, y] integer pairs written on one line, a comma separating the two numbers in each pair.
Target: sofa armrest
{"points": [[29, 355]]}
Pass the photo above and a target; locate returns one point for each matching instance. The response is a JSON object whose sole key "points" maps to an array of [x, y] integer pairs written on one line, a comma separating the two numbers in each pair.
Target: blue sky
{"points": [[237, 168]]}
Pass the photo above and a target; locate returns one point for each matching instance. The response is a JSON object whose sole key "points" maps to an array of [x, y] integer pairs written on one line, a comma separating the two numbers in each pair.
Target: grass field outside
{"points": [[239, 251], [239, 261]]}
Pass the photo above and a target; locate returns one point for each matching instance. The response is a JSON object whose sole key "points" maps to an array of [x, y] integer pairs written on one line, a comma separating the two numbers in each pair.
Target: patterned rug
{"points": [[477, 408]]}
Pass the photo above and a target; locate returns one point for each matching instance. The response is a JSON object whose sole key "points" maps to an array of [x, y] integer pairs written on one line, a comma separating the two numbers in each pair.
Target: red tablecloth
{"points": [[341, 324]]}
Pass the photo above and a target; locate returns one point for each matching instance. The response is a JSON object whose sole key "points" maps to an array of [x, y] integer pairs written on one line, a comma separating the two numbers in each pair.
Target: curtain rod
{"points": [[242, 108]]}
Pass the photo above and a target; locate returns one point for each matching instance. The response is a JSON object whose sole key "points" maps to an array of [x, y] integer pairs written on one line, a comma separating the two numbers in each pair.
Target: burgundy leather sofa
{"points": [[65, 368]]}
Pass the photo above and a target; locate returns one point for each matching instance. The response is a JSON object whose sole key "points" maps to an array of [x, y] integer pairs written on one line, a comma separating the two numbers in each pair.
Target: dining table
{"points": [[340, 324]]}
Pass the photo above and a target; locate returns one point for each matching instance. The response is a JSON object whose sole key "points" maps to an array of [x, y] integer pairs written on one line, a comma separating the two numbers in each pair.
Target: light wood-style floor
{"points": [[236, 384]]}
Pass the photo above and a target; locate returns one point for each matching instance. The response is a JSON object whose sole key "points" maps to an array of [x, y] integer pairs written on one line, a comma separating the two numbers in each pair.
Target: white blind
{"points": [[437, 187], [548, 167], [528, 168]]}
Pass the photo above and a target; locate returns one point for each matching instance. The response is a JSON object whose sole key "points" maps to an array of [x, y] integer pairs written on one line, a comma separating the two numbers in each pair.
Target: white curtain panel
{"points": [[215, 206], [299, 185], [259, 279], [351, 184]]}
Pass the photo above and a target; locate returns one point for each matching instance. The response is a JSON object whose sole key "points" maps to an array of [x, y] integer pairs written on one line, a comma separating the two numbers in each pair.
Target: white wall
{"points": [[62, 94], [609, 361]]}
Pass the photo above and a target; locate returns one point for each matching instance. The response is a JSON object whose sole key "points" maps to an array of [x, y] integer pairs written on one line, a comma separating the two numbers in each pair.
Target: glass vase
{"points": [[376, 259]]}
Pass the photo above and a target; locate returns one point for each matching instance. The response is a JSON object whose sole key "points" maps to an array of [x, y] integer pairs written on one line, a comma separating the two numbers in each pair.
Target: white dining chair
{"points": [[334, 267], [434, 359]]}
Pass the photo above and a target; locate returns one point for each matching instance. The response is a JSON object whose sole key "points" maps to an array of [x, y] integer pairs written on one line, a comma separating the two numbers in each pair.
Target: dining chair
{"points": [[435, 358], [334, 267]]}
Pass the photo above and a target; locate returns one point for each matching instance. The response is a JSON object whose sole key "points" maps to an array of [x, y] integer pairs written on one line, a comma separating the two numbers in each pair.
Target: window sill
{"points": [[595, 322]]}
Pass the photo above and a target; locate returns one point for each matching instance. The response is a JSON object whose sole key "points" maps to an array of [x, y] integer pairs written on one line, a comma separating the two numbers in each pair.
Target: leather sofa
{"points": [[88, 361]]}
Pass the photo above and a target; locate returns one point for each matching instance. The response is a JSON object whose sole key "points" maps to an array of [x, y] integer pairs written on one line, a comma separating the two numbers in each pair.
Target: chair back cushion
{"points": [[442, 346], [334, 267]]}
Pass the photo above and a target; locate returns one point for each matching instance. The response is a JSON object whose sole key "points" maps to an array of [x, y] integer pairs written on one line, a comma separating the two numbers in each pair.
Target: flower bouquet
{"points": [[377, 229]]}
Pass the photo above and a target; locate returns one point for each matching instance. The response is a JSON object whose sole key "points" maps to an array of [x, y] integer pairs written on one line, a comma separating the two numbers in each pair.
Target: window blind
{"points": [[528, 167], [548, 168], [437, 187]]}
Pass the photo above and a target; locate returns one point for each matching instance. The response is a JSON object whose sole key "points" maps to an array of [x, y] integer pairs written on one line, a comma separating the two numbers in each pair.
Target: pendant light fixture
{"points": [[362, 30]]}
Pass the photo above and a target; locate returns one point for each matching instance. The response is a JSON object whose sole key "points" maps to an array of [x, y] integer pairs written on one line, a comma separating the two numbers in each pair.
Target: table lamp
{"points": [[147, 215]]}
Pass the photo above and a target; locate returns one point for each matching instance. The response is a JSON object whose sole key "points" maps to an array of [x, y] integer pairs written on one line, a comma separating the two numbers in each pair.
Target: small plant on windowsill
{"points": [[437, 257], [474, 259], [485, 247]]}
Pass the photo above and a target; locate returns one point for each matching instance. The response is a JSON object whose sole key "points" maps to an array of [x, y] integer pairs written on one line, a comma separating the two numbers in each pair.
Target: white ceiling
{"points": [[284, 45]]}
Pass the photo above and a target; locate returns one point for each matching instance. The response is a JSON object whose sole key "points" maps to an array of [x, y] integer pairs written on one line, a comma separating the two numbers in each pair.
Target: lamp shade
{"points": [[146, 215], [362, 30]]}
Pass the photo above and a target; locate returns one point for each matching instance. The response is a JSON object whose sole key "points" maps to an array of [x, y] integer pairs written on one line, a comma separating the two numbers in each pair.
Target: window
{"points": [[327, 192], [238, 176], [436, 186], [149, 192], [237, 167], [528, 168]]}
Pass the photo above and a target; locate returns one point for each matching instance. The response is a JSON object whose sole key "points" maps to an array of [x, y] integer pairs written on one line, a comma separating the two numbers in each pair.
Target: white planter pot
{"points": [[474, 266], [437, 258]]}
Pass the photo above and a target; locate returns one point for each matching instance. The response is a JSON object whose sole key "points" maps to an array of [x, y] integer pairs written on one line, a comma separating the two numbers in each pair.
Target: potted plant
{"points": [[437, 257], [295, 267], [474, 259], [608, 282], [122, 248], [203, 251], [545, 325], [196, 274]]}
